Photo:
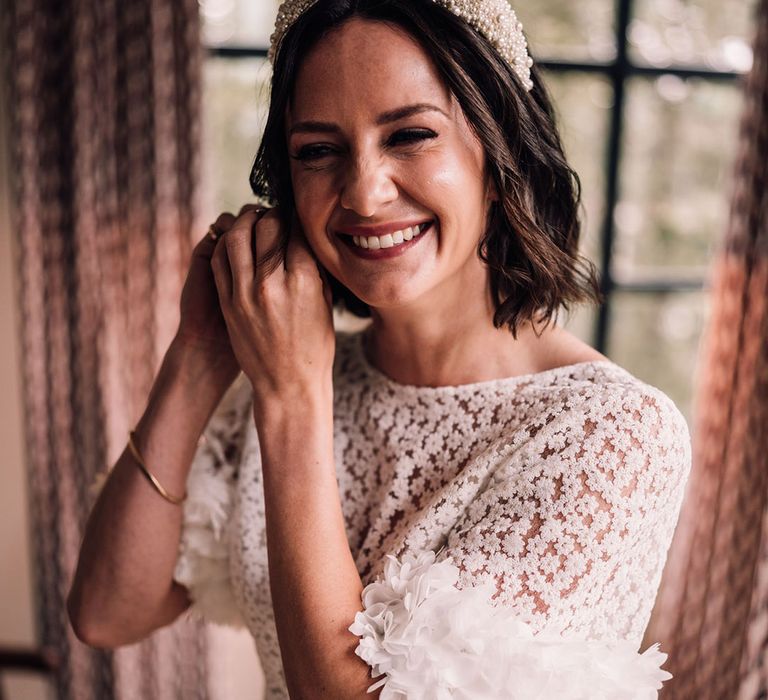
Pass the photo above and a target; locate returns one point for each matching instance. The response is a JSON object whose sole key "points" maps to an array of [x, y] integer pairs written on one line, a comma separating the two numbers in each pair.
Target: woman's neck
{"points": [[463, 351]]}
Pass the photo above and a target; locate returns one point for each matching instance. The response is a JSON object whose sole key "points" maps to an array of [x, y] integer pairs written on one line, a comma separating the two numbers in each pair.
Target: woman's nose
{"points": [[368, 185]]}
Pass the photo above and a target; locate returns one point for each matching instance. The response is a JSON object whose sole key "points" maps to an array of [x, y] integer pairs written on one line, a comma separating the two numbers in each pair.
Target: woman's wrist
{"points": [[295, 436], [182, 399], [197, 365], [187, 389], [296, 402]]}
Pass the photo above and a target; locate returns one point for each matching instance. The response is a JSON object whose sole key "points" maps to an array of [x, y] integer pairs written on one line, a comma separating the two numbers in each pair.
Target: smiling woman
{"points": [[463, 500]]}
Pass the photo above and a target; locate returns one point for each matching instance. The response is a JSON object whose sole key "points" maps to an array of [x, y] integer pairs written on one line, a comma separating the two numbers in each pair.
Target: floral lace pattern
{"points": [[559, 491]]}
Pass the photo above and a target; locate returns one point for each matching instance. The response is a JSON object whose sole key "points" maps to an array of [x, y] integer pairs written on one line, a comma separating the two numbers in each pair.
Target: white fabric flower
{"points": [[203, 562], [433, 641]]}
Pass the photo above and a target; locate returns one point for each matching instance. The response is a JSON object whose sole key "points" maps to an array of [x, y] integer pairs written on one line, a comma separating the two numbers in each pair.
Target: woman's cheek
{"points": [[437, 173], [314, 189], [314, 207], [307, 200]]}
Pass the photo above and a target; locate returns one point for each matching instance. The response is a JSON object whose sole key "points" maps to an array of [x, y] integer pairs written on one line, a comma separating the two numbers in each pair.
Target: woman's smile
{"points": [[373, 244]]}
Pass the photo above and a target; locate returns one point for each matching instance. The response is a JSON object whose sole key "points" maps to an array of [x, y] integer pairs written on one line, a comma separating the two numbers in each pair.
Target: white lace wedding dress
{"points": [[554, 495]]}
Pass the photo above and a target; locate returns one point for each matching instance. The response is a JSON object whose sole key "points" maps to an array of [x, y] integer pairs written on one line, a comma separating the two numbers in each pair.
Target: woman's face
{"points": [[381, 150]]}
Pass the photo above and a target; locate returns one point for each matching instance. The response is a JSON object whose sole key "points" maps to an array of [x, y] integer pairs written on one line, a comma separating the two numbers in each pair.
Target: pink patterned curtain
{"points": [[106, 103], [712, 611]]}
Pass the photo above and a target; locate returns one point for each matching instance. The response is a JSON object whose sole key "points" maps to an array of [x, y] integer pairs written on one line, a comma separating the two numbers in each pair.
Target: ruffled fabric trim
{"points": [[203, 562], [433, 641]]}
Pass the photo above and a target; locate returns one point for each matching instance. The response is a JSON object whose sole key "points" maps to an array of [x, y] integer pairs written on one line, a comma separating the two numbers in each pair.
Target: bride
{"points": [[462, 499]]}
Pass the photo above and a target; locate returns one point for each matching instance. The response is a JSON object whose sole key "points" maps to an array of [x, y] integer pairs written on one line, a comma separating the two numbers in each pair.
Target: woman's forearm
{"points": [[313, 578], [123, 587]]}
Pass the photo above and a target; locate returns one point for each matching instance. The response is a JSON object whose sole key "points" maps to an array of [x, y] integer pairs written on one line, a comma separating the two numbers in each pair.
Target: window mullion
{"points": [[619, 70]]}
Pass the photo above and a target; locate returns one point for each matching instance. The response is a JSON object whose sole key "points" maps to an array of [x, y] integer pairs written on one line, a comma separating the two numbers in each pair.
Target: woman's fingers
{"points": [[238, 249], [267, 243], [206, 245], [298, 256], [224, 222], [238, 245], [300, 261], [222, 274], [251, 250], [204, 253], [250, 207]]}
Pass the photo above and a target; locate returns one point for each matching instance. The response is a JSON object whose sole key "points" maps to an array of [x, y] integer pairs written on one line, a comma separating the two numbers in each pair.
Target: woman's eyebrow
{"points": [[310, 127], [407, 111]]}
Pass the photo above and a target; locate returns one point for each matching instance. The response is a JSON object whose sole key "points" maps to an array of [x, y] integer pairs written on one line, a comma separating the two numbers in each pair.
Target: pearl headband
{"points": [[494, 19]]}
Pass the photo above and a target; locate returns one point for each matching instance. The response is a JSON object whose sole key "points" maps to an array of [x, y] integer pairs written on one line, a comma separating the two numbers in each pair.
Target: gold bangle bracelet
{"points": [[151, 477]]}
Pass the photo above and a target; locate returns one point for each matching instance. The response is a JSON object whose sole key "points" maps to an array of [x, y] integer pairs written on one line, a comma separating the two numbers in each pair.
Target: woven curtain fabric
{"points": [[105, 133], [712, 610]]}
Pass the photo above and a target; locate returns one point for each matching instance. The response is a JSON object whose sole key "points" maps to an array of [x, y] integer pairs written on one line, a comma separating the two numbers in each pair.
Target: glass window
{"points": [[710, 33], [237, 22], [656, 338], [234, 112], [680, 142], [583, 104], [569, 30]]}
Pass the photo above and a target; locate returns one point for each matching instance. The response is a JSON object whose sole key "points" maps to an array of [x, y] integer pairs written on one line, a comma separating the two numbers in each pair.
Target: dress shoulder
{"points": [[579, 514]]}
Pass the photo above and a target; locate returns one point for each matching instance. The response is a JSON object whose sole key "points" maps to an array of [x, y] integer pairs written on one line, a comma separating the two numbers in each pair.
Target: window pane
{"points": [[237, 22], [675, 175], [656, 338], [574, 30], [711, 33], [583, 103], [234, 112]]}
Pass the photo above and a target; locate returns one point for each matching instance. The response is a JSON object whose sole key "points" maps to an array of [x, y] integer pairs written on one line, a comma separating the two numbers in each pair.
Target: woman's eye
{"points": [[317, 151], [313, 152], [407, 136]]}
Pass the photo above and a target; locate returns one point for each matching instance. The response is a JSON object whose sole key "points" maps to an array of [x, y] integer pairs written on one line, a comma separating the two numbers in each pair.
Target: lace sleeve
{"points": [[586, 522], [574, 525], [203, 562]]}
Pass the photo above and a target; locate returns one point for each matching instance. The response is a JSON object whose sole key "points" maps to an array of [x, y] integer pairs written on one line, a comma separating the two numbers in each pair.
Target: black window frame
{"points": [[618, 71]]}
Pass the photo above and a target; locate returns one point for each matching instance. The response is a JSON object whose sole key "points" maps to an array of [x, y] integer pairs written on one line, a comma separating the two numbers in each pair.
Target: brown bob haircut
{"points": [[531, 242]]}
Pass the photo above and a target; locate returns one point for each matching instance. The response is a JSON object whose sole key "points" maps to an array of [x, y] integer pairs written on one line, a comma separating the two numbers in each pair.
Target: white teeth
{"points": [[388, 240]]}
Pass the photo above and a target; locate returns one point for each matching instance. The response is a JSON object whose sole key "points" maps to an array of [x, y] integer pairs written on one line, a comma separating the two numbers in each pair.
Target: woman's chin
{"points": [[384, 300]]}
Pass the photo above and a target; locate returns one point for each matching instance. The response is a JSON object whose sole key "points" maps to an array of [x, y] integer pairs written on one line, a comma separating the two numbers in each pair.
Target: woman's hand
{"points": [[202, 332], [278, 314]]}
